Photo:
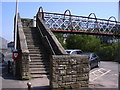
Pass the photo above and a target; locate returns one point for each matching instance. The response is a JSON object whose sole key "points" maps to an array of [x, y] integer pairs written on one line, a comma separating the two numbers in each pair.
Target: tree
{"points": [[87, 43], [61, 40]]}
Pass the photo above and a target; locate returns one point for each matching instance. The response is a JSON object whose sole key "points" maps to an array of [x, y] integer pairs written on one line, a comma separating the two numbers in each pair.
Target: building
{"points": [[10, 46], [3, 45]]}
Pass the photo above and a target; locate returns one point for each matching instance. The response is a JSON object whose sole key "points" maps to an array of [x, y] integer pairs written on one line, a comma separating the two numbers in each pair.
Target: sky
{"points": [[29, 9]]}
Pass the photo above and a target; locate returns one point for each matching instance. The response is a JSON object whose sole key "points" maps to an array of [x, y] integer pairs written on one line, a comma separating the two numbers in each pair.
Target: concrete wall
{"points": [[69, 71]]}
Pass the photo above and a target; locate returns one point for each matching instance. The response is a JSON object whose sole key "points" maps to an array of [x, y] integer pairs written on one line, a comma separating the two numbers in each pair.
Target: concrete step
{"points": [[37, 50], [37, 54], [39, 69], [32, 53], [39, 72], [38, 58], [39, 66], [29, 29], [31, 40], [33, 44], [39, 63], [32, 37], [39, 76], [33, 47], [35, 59], [31, 32], [34, 50]]}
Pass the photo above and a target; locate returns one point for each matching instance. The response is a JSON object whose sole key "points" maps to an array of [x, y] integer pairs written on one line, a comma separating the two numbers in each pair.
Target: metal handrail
{"points": [[70, 20], [80, 16], [47, 41], [50, 44]]}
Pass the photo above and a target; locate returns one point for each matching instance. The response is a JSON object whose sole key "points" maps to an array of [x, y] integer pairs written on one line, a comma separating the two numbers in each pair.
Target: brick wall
{"points": [[69, 71]]}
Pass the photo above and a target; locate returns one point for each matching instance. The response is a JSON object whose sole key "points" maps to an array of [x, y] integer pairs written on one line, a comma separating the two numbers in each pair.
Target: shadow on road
{"points": [[7, 74], [41, 88]]}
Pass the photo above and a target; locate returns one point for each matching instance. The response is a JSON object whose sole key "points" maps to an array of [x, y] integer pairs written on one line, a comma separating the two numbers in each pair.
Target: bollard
{"points": [[29, 85]]}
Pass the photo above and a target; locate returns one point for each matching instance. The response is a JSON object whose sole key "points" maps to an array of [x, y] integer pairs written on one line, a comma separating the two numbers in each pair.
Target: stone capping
{"points": [[23, 42], [69, 71], [57, 47], [23, 62]]}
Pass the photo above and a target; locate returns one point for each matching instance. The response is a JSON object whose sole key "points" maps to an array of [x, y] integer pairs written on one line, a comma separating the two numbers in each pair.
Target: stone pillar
{"points": [[34, 21], [25, 66], [69, 71]]}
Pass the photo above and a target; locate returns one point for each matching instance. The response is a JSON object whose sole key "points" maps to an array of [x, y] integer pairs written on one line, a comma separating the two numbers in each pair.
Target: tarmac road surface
{"points": [[106, 76]]}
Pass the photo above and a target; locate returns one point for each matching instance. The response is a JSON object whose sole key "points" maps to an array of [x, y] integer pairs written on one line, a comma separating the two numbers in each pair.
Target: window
{"points": [[79, 52], [74, 52], [94, 55]]}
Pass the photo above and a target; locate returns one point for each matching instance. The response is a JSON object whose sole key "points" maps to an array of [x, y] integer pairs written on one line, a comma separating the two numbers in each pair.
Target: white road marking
{"points": [[115, 74], [98, 73]]}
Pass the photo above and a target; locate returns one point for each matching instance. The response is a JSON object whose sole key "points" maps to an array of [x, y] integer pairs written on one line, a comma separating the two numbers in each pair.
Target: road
{"points": [[106, 76]]}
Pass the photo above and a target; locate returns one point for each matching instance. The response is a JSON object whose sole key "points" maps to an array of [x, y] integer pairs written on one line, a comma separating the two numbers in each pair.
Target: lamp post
{"points": [[15, 36], [16, 17], [119, 10], [119, 50]]}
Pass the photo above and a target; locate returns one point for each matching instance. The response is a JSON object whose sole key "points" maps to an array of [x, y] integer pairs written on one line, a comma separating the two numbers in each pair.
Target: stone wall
{"points": [[69, 71]]}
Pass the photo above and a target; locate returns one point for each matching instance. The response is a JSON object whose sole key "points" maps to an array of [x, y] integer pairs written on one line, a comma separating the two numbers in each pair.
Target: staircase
{"points": [[39, 59]]}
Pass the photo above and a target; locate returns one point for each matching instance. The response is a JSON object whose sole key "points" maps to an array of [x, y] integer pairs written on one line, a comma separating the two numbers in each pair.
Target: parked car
{"points": [[74, 51], [94, 59]]}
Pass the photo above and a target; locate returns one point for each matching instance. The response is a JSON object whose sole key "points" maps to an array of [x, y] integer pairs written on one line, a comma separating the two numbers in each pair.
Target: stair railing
{"points": [[47, 41], [54, 45]]}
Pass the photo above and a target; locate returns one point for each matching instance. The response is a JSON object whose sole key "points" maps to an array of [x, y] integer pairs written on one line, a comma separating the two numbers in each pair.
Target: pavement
{"points": [[9, 82]]}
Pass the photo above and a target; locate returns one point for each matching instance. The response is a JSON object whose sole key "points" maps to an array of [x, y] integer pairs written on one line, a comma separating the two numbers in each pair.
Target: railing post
{"points": [[70, 20], [94, 22], [114, 19], [41, 13]]}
